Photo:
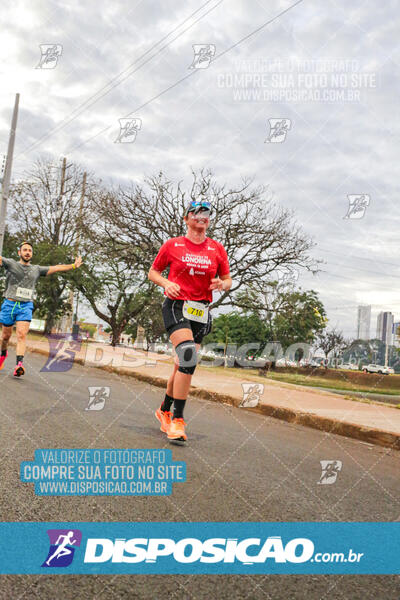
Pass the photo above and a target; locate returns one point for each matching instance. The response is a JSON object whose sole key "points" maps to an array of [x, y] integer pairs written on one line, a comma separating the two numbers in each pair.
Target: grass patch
{"points": [[304, 380]]}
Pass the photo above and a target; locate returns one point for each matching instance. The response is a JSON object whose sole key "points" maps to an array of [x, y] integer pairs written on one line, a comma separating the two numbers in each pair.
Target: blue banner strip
{"points": [[213, 548]]}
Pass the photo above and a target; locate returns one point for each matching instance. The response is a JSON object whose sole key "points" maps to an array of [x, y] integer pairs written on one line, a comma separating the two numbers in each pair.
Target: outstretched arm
{"points": [[58, 268], [4, 262]]}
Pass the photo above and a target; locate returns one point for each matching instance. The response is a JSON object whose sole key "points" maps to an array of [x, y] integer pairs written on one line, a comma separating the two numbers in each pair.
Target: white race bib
{"points": [[24, 293], [195, 311]]}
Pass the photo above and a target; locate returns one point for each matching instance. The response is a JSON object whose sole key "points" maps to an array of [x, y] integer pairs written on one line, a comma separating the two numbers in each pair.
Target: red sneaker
{"points": [[2, 360], [164, 418], [177, 431], [19, 370]]}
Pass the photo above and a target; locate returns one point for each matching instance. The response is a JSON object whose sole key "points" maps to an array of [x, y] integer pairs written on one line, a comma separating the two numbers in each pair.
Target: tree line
{"points": [[118, 230]]}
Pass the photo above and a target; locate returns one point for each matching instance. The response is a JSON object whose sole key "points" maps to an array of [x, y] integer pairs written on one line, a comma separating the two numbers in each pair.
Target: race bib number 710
{"points": [[195, 311]]}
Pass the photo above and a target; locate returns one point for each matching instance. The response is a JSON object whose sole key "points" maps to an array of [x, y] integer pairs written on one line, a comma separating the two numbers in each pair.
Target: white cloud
{"points": [[198, 123]]}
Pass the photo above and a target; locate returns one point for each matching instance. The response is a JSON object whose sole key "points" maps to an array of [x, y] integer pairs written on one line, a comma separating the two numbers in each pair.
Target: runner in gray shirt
{"points": [[17, 308]]}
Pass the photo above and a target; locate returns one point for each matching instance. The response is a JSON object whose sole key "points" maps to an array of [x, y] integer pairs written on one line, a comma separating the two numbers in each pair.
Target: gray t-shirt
{"points": [[21, 279]]}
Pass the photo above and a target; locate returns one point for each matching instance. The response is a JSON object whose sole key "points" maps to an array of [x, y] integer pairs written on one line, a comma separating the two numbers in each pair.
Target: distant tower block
{"points": [[363, 322]]}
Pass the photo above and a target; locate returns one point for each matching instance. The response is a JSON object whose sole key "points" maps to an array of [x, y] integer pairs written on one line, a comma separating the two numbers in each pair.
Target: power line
{"points": [[360, 257], [246, 37], [83, 106], [345, 266]]}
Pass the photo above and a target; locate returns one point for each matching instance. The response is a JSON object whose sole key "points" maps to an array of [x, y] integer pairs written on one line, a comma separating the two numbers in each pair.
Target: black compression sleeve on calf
{"points": [[3, 352], [166, 405], [179, 405], [20, 358]]}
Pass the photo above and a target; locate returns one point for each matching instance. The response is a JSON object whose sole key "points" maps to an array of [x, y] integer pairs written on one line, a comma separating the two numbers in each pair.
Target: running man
{"points": [[197, 266], [17, 308], [62, 549]]}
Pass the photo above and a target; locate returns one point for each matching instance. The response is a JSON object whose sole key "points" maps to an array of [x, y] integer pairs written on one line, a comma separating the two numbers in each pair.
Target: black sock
{"points": [[166, 405], [179, 405], [20, 358], [3, 352]]}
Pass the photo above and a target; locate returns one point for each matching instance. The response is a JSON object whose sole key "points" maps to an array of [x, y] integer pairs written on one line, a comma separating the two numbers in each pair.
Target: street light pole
{"points": [[73, 318], [7, 173]]}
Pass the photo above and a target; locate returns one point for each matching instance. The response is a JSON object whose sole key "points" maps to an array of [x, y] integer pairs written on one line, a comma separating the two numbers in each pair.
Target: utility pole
{"points": [[73, 317], [7, 173]]}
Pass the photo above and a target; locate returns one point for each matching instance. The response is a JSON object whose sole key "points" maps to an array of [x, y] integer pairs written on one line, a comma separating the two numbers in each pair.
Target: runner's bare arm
{"points": [[171, 289], [222, 284], [59, 268]]}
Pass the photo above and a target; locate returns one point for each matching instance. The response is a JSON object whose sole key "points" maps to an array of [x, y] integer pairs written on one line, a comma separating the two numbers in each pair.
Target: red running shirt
{"points": [[192, 266]]}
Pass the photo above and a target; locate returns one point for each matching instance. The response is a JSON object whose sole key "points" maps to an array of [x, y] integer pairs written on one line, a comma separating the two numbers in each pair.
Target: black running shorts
{"points": [[174, 320]]}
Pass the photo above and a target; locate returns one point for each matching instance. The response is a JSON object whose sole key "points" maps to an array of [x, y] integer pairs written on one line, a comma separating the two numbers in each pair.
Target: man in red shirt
{"points": [[197, 266]]}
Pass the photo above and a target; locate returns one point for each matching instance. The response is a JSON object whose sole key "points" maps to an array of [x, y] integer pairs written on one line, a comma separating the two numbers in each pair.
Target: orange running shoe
{"points": [[19, 370], [176, 431], [164, 418], [3, 360]]}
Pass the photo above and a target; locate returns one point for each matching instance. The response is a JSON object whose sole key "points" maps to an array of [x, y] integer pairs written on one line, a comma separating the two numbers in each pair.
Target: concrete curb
{"points": [[370, 435]]}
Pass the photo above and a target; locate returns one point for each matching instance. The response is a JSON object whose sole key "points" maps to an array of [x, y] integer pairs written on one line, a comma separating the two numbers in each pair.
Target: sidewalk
{"points": [[315, 408]]}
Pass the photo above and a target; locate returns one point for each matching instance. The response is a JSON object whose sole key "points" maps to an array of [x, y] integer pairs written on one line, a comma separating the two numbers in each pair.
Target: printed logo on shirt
{"points": [[209, 248], [176, 244], [197, 260], [191, 272]]}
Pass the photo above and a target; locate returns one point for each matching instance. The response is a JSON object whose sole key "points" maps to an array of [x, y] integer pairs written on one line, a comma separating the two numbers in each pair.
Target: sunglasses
{"points": [[198, 206]]}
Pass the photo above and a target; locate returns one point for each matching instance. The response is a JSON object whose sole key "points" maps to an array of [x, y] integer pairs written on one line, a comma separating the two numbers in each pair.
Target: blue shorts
{"points": [[15, 311]]}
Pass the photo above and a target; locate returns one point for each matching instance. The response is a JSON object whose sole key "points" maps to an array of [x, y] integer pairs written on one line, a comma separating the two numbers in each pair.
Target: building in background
{"points": [[363, 322], [384, 327], [396, 334]]}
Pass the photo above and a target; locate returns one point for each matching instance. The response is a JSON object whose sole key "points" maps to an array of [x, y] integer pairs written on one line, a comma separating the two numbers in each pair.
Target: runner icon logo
{"points": [[357, 206], [61, 352], [330, 470], [203, 54], [251, 394], [97, 397], [278, 129], [50, 53], [128, 129], [63, 543]]}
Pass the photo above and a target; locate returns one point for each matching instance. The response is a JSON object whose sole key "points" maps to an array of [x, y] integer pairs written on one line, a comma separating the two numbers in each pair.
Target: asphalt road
{"points": [[240, 467]]}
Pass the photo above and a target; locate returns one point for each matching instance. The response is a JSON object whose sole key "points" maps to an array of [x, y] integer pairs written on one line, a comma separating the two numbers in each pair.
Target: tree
{"points": [[233, 328], [46, 208], [88, 327], [301, 319], [291, 315], [150, 318], [258, 235], [10, 247], [116, 292], [332, 342]]}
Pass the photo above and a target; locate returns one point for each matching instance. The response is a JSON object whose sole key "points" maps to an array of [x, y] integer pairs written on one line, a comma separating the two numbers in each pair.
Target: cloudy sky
{"points": [[328, 71]]}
